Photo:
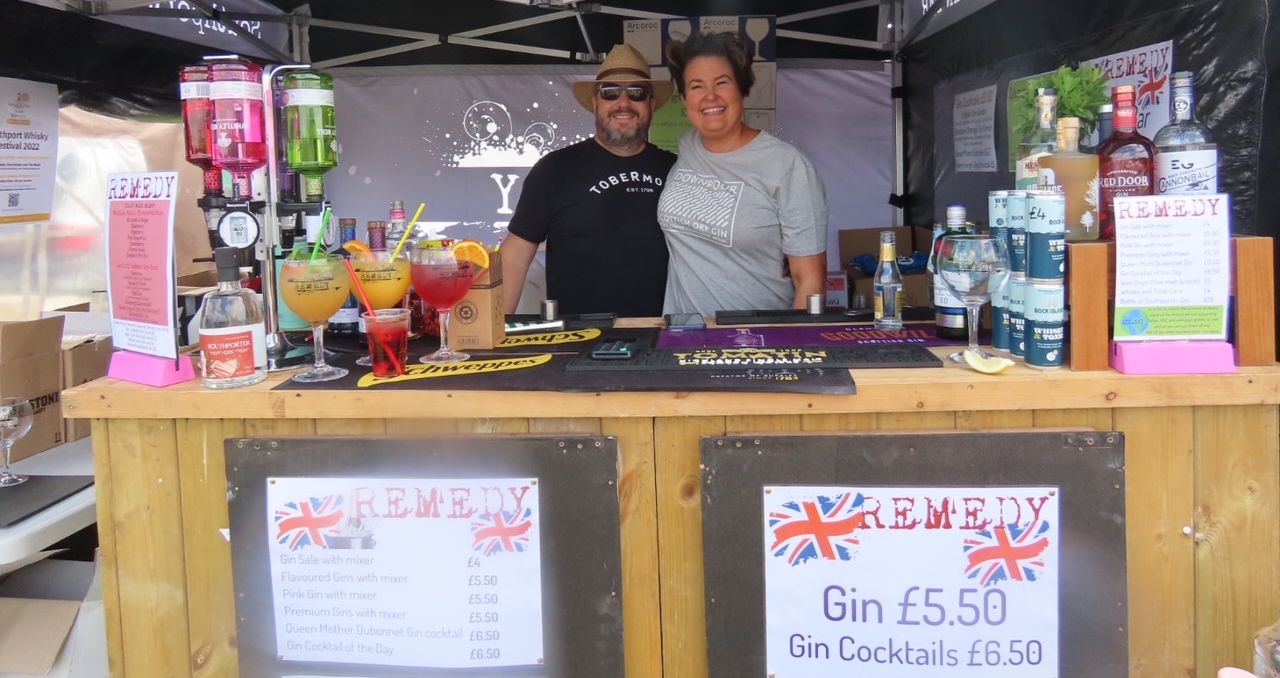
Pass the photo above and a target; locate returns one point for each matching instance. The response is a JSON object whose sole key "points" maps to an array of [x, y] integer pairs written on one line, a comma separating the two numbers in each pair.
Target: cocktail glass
{"points": [[974, 267], [315, 289], [442, 276], [386, 281], [15, 422], [387, 331]]}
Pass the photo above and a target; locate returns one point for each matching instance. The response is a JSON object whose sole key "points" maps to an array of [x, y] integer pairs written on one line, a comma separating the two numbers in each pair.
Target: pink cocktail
{"points": [[442, 277]]}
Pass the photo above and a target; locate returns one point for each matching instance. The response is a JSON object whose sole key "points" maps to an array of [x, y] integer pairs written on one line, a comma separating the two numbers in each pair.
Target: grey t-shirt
{"points": [[731, 219]]}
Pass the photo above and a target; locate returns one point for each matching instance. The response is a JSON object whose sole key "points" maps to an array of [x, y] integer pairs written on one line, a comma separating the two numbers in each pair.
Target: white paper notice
{"points": [[1173, 258], [911, 582], [973, 116], [28, 149], [417, 573]]}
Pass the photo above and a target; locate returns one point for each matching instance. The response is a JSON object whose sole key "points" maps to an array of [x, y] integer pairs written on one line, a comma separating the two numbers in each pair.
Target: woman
{"points": [[743, 212]]}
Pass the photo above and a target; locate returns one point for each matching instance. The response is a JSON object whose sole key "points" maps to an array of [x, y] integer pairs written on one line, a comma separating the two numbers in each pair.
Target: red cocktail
{"points": [[388, 333], [442, 277]]}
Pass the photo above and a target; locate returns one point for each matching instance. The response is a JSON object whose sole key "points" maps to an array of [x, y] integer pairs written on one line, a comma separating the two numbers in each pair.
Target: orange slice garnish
{"points": [[357, 249], [472, 251]]}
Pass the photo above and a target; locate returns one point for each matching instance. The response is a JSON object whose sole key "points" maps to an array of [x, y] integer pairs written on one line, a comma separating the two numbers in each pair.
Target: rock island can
{"points": [[1045, 312], [1016, 217], [1046, 236], [998, 214], [1017, 286], [1000, 318]]}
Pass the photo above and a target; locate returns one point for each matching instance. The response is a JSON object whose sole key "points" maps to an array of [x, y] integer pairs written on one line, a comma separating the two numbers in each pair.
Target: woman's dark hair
{"points": [[724, 45]]}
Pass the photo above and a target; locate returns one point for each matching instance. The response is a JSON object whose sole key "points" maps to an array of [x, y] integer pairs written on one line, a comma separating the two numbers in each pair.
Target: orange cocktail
{"points": [[315, 288], [385, 280]]}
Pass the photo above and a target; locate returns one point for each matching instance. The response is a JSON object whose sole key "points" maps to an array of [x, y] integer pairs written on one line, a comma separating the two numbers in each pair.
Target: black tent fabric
{"points": [[1221, 41]]}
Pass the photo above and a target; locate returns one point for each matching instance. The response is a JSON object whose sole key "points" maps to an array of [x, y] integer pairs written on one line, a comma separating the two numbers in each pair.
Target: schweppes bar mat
{"points": [[761, 357], [546, 372]]}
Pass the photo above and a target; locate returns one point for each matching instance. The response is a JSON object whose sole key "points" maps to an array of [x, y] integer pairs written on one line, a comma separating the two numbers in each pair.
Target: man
{"points": [[595, 203]]}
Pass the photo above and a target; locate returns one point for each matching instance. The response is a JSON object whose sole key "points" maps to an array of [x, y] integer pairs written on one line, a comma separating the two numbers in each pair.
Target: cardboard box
{"points": [[478, 321], [40, 605], [854, 242], [81, 363], [31, 368], [915, 289], [837, 290]]}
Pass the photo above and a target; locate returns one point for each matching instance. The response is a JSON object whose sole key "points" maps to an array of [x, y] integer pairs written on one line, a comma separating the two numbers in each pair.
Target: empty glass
{"points": [[973, 267]]}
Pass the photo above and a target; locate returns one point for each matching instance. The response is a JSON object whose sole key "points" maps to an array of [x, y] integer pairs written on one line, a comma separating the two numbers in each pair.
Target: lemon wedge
{"points": [[472, 251], [993, 364]]}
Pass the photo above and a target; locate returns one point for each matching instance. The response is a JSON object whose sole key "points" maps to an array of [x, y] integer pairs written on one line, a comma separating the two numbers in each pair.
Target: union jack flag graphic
{"points": [[501, 532], [309, 522], [1008, 552], [817, 529]]}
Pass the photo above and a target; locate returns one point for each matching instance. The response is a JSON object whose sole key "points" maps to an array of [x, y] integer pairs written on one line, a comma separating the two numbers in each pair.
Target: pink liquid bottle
{"points": [[236, 133], [193, 89]]}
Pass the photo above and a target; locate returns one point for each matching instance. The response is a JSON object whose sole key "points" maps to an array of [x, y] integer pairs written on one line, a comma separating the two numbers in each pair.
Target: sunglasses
{"points": [[634, 92]]}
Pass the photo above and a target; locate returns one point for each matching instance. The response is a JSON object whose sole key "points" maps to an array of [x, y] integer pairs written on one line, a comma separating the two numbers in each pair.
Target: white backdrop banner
{"points": [[462, 139]]}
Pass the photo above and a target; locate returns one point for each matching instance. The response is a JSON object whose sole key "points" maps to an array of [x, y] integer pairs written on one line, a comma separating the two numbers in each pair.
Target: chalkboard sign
{"points": [[441, 557], [956, 555]]}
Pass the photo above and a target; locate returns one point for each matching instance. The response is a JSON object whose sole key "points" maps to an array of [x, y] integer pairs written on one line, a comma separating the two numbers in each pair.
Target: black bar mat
{"points": [[800, 316], [19, 502], [546, 372], [698, 359]]}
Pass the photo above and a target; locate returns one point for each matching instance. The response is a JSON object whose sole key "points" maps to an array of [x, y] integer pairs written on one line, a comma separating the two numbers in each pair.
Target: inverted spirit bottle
{"points": [[1075, 176], [1126, 161], [1186, 157], [193, 88], [235, 124], [887, 286], [1040, 141], [311, 133]]}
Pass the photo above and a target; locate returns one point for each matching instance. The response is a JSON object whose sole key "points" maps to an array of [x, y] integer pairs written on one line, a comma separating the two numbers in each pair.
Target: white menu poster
{"points": [[1173, 267], [911, 582], [141, 285], [424, 573], [28, 149], [973, 117]]}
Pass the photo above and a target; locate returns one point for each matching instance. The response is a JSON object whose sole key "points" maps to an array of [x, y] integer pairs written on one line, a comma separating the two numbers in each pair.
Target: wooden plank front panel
{"points": [[1097, 420], [146, 513], [839, 422], [974, 420], [915, 421], [1160, 503], [493, 425], [370, 428], [679, 479], [578, 426], [638, 518], [107, 552], [210, 592], [1237, 469]]}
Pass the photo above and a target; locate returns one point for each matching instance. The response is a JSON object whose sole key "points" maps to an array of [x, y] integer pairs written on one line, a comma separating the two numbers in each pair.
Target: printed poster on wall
{"points": [[28, 149], [911, 582], [140, 266], [973, 117], [425, 573], [1173, 257]]}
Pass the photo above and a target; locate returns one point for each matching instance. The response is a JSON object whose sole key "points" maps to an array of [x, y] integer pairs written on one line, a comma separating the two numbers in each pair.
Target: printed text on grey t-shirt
{"points": [[702, 206]]}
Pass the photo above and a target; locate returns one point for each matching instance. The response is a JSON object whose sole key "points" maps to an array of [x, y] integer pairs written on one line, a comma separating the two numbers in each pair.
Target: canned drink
{"points": [[1045, 312], [1000, 318], [1046, 236], [998, 214], [1017, 320], [1016, 215]]}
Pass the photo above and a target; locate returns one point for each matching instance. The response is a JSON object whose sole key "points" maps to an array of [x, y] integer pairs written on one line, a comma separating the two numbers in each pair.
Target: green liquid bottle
{"points": [[311, 134]]}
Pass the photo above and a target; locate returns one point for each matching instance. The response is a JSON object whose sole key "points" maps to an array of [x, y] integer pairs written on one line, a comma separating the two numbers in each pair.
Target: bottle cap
{"points": [[226, 260], [955, 214], [1105, 108], [1046, 91], [397, 205]]}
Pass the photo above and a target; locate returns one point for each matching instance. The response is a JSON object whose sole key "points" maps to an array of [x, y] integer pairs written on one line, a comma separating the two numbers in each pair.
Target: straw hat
{"points": [[624, 65]]}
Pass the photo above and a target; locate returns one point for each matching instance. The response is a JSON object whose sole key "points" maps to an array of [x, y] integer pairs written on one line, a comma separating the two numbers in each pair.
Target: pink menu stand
{"points": [[1173, 357], [150, 370]]}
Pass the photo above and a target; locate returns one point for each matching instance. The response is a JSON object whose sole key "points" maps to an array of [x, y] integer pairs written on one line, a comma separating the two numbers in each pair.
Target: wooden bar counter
{"points": [[1203, 494]]}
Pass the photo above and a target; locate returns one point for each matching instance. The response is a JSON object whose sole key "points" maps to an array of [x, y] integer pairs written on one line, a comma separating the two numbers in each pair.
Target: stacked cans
{"points": [[998, 215], [1043, 286], [1014, 290]]}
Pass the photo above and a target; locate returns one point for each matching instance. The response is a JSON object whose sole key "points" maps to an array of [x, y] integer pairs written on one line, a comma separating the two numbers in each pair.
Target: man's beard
{"points": [[617, 137]]}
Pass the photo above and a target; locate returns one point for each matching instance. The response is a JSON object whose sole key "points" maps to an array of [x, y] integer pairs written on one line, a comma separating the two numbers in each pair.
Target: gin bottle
{"points": [[1040, 141], [887, 285], [950, 319], [1186, 157], [1125, 161], [233, 341], [1075, 175]]}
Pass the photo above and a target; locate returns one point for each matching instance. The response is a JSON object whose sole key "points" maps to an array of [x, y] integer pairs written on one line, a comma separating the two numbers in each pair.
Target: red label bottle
{"points": [[1126, 161]]}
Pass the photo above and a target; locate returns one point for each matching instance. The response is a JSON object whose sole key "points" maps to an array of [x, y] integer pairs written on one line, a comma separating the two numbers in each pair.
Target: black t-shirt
{"points": [[597, 213]]}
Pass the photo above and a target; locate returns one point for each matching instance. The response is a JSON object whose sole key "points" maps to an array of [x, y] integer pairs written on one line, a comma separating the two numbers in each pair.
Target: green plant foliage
{"points": [[1080, 92]]}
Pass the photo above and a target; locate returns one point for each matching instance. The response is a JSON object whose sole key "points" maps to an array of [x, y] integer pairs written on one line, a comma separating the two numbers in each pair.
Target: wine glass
{"points": [[757, 28], [314, 289], [385, 280], [15, 422], [442, 276], [678, 30], [973, 267]]}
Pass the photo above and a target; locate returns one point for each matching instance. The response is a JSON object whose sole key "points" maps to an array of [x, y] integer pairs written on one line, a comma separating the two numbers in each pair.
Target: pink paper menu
{"points": [[140, 273]]}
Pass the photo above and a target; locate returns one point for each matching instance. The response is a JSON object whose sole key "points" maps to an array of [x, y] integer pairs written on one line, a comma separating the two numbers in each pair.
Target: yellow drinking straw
{"points": [[408, 228]]}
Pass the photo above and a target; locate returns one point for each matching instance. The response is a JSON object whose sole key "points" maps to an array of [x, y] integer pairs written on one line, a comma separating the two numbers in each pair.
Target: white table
{"points": [[61, 520]]}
